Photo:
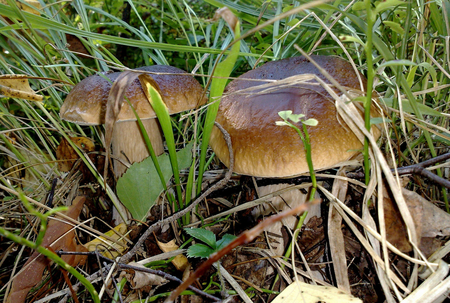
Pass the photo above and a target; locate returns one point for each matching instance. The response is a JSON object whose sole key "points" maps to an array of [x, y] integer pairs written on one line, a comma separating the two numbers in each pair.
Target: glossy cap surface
{"points": [[262, 148], [86, 103]]}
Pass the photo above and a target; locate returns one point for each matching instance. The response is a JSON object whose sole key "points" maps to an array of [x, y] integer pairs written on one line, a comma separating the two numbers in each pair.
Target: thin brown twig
{"points": [[136, 268], [419, 169], [127, 257]]}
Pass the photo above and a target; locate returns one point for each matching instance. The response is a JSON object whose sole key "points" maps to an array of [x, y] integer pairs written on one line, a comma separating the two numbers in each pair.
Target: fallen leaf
{"points": [[17, 86], [30, 6], [228, 16], [435, 221], [142, 280], [180, 261], [139, 188], [306, 293], [59, 236], [395, 228], [108, 248], [430, 221], [66, 152], [75, 45]]}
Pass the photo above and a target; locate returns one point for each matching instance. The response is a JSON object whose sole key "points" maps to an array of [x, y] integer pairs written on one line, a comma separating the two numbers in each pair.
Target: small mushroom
{"points": [[248, 111], [86, 105]]}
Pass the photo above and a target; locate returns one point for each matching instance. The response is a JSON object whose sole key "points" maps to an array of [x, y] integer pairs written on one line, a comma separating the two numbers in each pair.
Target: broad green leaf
{"points": [[199, 251], [395, 27], [226, 239], [425, 110], [140, 186], [387, 4], [203, 235], [285, 114], [293, 22], [359, 6], [296, 117], [311, 122]]}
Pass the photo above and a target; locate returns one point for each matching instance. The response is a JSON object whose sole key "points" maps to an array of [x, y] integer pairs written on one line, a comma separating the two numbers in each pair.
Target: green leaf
{"points": [[226, 239], [162, 112], [133, 187], [396, 63], [203, 235], [379, 120], [222, 72], [296, 117], [359, 6], [425, 110], [347, 38], [281, 123], [387, 4], [39, 22], [395, 27], [311, 122], [412, 75], [285, 114], [430, 69], [199, 251], [293, 22]]}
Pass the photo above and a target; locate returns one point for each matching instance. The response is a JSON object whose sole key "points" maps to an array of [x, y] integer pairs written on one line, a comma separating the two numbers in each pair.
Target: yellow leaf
{"points": [[27, 8], [17, 86], [180, 261], [106, 247], [306, 293]]}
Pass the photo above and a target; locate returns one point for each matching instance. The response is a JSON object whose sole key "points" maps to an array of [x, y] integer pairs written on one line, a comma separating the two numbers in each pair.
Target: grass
{"points": [[400, 47]]}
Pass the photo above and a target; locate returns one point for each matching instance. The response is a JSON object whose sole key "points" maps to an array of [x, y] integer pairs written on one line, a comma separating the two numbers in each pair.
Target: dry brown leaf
{"points": [[336, 237], [227, 15], [108, 248], [142, 280], [180, 261], [430, 221], [395, 228], [17, 86], [66, 152], [59, 236], [75, 45], [113, 106], [435, 221]]}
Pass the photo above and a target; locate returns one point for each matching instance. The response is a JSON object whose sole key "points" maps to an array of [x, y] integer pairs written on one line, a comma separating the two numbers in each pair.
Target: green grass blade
{"points": [[223, 70]]}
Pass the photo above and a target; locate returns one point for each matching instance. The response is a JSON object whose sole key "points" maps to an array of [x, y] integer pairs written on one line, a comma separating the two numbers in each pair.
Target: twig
{"points": [[127, 257], [137, 268], [419, 169], [243, 238]]}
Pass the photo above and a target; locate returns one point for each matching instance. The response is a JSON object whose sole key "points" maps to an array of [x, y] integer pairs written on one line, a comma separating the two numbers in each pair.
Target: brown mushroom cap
{"points": [[261, 148], [86, 103]]}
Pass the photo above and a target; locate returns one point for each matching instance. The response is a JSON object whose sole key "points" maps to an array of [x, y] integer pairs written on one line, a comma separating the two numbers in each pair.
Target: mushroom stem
{"points": [[129, 146]]}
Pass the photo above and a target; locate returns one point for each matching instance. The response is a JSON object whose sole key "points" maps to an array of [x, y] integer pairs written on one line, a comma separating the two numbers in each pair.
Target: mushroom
{"points": [[249, 110], [86, 105]]}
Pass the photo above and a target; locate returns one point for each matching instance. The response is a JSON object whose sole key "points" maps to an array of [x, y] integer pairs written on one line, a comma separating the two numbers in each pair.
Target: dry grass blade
{"points": [[113, 106], [336, 238]]}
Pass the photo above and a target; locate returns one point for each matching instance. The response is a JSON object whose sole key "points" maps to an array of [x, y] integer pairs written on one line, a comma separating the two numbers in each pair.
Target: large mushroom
{"points": [[248, 111], [86, 105]]}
